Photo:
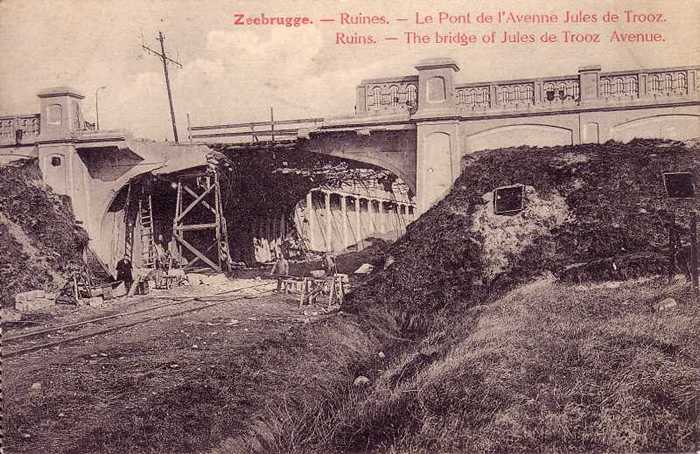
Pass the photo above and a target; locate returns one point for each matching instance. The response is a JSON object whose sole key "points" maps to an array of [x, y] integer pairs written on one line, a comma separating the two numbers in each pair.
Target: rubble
{"points": [[361, 381], [34, 300], [10, 315], [365, 268], [665, 304]]}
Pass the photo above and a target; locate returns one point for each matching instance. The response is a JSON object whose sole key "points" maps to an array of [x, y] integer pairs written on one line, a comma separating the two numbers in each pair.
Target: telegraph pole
{"points": [[164, 57]]}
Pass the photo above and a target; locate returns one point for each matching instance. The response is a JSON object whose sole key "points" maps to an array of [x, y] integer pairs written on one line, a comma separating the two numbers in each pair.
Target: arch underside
{"points": [[541, 135], [668, 126]]}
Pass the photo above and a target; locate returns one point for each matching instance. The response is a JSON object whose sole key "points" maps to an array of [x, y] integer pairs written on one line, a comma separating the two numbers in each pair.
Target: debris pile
{"points": [[40, 238], [587, 203]]}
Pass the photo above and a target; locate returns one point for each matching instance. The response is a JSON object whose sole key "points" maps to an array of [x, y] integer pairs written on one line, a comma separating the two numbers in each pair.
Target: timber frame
{"points": [[203, 189]]}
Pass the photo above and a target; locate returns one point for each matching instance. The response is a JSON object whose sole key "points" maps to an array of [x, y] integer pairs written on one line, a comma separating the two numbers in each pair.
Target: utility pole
{"points": [[163, 56]]}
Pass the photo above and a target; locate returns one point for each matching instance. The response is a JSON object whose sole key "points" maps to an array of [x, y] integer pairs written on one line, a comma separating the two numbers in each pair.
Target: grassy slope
{"points": [[617, 201], [551, 367], [48, 224]]}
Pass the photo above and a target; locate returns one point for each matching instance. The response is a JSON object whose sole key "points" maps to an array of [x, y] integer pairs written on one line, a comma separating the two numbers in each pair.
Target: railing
{"points": [[393, 95], [262, 131], [17, 127]]}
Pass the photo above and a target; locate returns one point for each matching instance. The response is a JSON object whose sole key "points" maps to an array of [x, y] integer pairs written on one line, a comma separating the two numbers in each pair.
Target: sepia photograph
{"points": [[349, 226]]}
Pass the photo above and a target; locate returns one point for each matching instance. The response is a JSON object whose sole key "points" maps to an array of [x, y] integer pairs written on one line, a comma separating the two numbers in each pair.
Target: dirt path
{"points": [[136, 389]]}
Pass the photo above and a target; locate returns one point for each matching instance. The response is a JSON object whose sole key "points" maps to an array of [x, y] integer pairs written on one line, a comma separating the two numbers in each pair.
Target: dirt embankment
{"points": [[444, 385], [39, 237], [583, 203]]}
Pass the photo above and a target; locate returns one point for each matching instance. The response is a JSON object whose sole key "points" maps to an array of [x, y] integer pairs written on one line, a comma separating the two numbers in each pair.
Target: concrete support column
{"points": [[329, 221], [311, 217], [373, 215], [358, 224], [437, 160], [344, 213], [382, 223]]}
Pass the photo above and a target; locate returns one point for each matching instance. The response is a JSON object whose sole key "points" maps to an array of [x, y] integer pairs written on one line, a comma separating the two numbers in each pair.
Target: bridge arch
{"points": [[533, 134], [662, 126]]}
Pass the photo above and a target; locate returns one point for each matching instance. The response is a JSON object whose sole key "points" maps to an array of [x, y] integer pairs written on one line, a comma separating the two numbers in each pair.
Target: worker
{"points": [[329, 264], [124, 268], [162, 261], [281, 267]]}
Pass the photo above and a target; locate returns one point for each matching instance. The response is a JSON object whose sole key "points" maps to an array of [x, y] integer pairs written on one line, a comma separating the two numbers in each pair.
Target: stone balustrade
{"points": [[390, 95], [650, 86], [10, 127]]}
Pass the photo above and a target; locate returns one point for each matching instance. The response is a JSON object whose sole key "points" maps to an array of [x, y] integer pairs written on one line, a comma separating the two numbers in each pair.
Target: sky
{"points": [[234, 73]]}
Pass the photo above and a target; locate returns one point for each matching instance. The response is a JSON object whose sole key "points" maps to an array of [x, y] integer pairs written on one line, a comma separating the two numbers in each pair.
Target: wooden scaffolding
{"points": [[203, 190]]}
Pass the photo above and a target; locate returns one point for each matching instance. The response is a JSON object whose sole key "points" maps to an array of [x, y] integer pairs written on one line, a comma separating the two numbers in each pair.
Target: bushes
{"points": [[616, 203]]}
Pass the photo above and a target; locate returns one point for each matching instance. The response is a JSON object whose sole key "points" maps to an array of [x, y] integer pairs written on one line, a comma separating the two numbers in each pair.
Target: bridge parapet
{"points": [[387, 95], [589, 87], [17, 128]]}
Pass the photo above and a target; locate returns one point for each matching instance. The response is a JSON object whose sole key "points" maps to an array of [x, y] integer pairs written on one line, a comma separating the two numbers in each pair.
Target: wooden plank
{"points": [[195, 227], [258, 123], [194, 250]]}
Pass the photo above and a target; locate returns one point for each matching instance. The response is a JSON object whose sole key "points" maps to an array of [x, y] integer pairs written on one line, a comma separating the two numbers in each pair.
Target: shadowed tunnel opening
{"points": [[269, 182], [262, 189]]}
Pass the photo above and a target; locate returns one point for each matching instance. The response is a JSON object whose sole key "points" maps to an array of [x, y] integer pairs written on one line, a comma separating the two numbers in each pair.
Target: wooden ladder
{"points": [[147, 241]]}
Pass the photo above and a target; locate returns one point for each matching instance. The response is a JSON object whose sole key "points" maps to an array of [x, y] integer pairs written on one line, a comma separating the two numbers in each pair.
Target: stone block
{"points": [[95, 301], [10, 315], [29, 296], [34, 305], [665, 304]]}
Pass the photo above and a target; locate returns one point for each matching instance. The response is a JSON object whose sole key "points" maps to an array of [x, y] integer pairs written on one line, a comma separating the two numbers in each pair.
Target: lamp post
{"points": [[97, 110]]}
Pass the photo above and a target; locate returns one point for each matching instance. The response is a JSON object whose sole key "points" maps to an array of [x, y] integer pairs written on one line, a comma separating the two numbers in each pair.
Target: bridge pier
{"points": [[340, 229]]}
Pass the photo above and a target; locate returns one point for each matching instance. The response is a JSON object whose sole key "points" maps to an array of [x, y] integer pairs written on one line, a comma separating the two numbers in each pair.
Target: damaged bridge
{"points": [[418, 127]]}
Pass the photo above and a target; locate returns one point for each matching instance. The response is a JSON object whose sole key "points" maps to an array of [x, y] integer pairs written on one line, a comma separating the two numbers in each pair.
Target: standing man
{"points": [[281, 266], [124, 268], [329, 264]]}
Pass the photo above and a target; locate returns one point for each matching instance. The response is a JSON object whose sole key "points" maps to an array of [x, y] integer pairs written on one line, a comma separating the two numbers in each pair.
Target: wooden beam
{"points": [[196, 259], [195, 227], [194, 194], [193, 204], [194, 250]]}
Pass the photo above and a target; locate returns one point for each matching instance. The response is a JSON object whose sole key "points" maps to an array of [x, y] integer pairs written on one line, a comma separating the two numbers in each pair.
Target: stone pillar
{"points": [[438, 155], [311, 216], [344, 212], [436, 88], [361, 100], [437, 148], [588, 80], [692, 82], [60, 112], [329, 221]]}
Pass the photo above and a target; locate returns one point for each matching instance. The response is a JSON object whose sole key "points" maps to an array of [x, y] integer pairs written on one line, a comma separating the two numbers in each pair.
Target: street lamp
{"points": [[97, 110]]}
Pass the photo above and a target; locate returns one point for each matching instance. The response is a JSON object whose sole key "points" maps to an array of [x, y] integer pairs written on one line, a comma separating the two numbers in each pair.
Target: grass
{"points": [[550, 367]]}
